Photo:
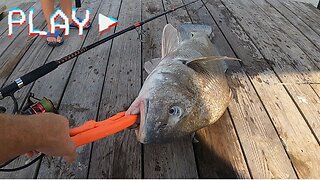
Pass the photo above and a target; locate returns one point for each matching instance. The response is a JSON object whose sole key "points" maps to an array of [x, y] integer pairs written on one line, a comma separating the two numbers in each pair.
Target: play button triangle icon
{"points": [[105, 23]]}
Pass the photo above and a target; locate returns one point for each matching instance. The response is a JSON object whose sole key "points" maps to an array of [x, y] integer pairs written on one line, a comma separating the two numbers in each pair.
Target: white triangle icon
{"points": [[106, 23]]}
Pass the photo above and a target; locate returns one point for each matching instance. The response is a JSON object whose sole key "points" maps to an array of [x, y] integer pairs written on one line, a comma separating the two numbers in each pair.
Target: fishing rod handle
{"points": [[27, 79]]}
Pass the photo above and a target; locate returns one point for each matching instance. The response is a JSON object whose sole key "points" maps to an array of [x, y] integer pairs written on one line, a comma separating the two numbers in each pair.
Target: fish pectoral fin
{"points": [[212, 58], [204, 60], [170, 39], [149, 66]]}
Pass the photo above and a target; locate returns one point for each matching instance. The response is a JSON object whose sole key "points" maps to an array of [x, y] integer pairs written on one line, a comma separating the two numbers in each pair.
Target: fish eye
{"points": [[175, 111]]}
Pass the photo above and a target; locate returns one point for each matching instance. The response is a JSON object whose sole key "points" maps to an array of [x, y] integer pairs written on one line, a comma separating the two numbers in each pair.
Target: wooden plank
{"points": [[36, 56], [170, 160], [260, 151], [297, 22], [218, 154], [296, 57], [214, 151], [20, 29], [87, 79], [4, 21], [301, 149], [2, 13], [175, 159], [292, 42], [290, 59], [313, 24], [316, 10], [292, 32], [250, 119], [2, 9], [11, 51], [56, 83], [309, 109], [311, 11], [33, 58], [120, 155]]}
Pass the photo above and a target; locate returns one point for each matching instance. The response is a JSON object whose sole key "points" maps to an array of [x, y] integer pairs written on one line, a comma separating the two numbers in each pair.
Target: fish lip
{"points": [[141, 135]]}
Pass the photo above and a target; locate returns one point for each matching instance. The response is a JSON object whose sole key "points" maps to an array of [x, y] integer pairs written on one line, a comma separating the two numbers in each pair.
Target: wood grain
{"points": [[4, 22], [303, 14], [12, 49], [250, 117], [246, 120], [120, 155], [297, 47], [29, 61], [170, 160], [297, 22], [308, 105], [65, 89], [275, 102], [2, 9], [271, 129], [311, 11], [218, 154]]}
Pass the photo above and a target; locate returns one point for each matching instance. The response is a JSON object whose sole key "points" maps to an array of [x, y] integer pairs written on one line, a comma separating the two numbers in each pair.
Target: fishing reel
{"points": [[36, 106], [33, 106]]}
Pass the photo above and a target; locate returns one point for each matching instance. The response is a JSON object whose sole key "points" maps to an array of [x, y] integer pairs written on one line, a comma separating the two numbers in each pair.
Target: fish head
{"points": [[185, 90], [166, 104]]}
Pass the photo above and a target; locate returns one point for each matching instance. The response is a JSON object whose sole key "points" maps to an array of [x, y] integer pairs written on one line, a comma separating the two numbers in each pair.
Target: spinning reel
{"points": [[91, 130], [32, 106]]}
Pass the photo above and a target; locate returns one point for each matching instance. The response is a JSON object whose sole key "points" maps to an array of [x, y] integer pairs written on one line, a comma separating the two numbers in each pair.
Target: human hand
{"points": [[55, 139]]}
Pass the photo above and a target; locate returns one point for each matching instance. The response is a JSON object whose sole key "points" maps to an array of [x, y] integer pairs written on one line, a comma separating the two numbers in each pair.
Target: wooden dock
{"points": [[270, 130]]}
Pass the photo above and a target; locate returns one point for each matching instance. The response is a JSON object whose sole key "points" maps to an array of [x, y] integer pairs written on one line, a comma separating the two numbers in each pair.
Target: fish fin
{"points": [[212, 58], [170, 39], [186, 30], [149, 66], [203, 60]]}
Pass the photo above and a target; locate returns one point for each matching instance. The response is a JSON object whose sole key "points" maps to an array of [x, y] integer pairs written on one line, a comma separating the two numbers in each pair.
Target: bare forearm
{"points": [[18, 135]]}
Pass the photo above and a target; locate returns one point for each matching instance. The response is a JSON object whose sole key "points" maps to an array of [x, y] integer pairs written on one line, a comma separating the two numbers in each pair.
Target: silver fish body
{"points": [[187, 90]]}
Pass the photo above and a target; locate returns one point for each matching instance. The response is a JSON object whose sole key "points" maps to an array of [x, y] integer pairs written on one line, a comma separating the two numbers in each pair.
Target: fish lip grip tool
{"points": [[89, 132], [92, 130]]}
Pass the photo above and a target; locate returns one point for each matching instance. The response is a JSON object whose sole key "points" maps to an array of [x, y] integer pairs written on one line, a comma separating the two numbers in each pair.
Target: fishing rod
{"points": [[86, 133], [47, 68]]}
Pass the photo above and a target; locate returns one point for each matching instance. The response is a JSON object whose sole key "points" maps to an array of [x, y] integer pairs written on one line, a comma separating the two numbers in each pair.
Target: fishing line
{"points": [[47, 68], [32, 76]]}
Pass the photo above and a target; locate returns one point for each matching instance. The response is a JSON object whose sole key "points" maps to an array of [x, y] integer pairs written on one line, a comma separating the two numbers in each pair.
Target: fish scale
{"points": [[186, 88]]}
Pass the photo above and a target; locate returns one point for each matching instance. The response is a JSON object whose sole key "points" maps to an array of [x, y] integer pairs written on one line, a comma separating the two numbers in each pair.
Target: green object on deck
{"points": [[47, 105]]}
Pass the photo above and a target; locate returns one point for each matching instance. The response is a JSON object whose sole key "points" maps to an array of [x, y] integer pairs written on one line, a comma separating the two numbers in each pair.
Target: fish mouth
{"points": [[141, 131], [140, 106]]}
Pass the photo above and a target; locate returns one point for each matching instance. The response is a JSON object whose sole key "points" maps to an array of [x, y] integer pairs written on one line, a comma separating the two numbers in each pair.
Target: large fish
{"points": [[186, 89]]}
